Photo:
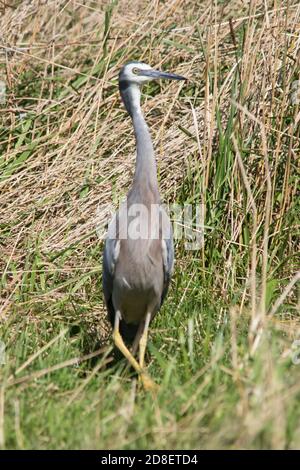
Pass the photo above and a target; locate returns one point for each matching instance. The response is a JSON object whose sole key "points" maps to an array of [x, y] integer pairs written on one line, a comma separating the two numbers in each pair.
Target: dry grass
{"points": [[229, 139]]}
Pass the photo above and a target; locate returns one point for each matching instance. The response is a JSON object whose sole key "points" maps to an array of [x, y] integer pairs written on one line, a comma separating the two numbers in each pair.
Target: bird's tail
{"points": [[128, 331]]}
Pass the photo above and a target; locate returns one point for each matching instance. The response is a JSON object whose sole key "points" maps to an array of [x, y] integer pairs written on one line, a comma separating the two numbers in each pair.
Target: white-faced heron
{"points": [[138, 255]]}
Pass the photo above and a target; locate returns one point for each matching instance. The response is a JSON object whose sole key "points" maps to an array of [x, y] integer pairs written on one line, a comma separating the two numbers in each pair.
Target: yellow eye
{"points": [[135, 70]]}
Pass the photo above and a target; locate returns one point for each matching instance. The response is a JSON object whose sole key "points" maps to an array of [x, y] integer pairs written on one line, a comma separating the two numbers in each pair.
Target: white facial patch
{"points": [[128, 73]]}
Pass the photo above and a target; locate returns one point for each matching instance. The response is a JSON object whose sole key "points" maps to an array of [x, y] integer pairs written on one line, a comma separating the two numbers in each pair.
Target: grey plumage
{"points": [[137, 269]]}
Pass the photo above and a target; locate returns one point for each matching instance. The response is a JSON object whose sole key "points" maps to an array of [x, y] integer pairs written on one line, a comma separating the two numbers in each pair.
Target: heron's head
{"points": [[132, 76], [138, 73]]}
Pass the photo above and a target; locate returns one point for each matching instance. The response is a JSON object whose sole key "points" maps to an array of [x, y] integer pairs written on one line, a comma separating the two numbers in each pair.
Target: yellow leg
{"points": [[143, 341], [148, 384], [120, 345]]}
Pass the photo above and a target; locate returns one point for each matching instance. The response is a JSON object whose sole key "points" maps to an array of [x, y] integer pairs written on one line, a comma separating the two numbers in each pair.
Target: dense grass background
{"points": [[224, 348]]}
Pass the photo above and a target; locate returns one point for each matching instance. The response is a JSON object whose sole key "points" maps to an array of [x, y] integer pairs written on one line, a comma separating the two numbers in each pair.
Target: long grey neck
{"points": [[145, 169]]}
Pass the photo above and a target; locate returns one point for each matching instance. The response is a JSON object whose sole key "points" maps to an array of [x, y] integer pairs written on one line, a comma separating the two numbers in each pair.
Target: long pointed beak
{"points": [[158, 74]]}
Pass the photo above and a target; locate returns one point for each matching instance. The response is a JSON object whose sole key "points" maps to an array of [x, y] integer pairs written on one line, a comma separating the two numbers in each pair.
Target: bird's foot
{"points": [[148, 384]]}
